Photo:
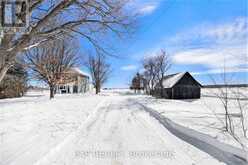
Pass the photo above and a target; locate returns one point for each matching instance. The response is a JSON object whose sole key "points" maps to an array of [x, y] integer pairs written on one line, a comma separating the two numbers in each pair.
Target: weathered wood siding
{"points": [[186, 92], [166, 93], [186, 88]]}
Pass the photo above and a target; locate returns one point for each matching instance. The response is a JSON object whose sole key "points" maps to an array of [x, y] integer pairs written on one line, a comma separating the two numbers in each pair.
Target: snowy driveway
{"points": [[95, 130], [121, 133]]}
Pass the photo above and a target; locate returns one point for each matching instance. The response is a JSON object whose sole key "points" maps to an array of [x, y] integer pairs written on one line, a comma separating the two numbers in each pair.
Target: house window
{"points": [[62, 87], [75, 89]]}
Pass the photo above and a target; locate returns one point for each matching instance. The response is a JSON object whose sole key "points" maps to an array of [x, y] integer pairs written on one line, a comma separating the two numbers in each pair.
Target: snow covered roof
{"points": [[79, 71], [170, 80]]}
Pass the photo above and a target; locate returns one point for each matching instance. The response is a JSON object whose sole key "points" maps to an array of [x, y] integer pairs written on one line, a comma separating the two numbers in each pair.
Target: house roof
{"points": [[170, 80], [79, 71]]}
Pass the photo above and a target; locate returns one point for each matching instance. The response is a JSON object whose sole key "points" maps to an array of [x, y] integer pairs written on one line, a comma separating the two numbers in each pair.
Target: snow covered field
{"points": [[113, 128], [205, 115]]}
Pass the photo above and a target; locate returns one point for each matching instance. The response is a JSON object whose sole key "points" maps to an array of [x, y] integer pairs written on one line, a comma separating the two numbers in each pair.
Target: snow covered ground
{"points": [[32, 125], [113, 128], [205, 115]]}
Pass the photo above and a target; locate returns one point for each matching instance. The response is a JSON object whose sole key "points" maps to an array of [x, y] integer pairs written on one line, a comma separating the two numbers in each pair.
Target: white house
{"points": [[74, 81]]}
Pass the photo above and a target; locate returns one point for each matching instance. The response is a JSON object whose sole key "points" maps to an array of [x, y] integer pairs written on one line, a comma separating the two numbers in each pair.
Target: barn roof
{"points": [[170, 80]]}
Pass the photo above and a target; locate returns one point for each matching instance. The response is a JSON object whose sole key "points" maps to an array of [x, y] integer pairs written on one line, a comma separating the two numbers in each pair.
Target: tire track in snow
{"points": [[119, 126], [204, 142], [116, 124]]}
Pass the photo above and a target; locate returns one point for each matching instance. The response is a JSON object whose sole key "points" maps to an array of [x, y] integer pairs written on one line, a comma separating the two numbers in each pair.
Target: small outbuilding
{"points": [[138, 83], [179, 86]]}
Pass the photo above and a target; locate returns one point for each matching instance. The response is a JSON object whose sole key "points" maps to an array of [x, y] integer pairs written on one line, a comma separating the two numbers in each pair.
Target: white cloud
{"points": [[143, 7], [220, 71], [129, 67], [215, 45], [147, 9], [215, 57], [234, 31]]}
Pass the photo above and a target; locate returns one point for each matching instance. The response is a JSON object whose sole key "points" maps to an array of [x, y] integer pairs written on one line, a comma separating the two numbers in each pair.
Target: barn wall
{"points": [[187, 80], [186, 88], [179, 92], [186, 92], [156, 92], [166, 93]]}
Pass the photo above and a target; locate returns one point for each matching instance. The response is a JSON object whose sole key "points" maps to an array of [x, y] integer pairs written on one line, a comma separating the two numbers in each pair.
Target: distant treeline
{"points": [[222, 85]]}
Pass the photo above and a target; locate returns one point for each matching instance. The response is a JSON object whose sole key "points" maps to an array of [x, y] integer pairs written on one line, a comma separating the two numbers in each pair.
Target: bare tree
{"points": [[156, 68], [163, 64], [50, 61], [242, 107], [99, 70], [222, 93], [231, 97], [149, 65], [87, 18]]}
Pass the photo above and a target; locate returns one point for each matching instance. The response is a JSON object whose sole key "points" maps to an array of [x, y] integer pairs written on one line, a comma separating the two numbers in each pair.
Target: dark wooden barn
{"points": [[179, 86]]}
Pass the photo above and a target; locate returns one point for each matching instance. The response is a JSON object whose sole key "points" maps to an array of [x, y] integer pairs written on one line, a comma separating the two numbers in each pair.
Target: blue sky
{"points": [[201, 36]]}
